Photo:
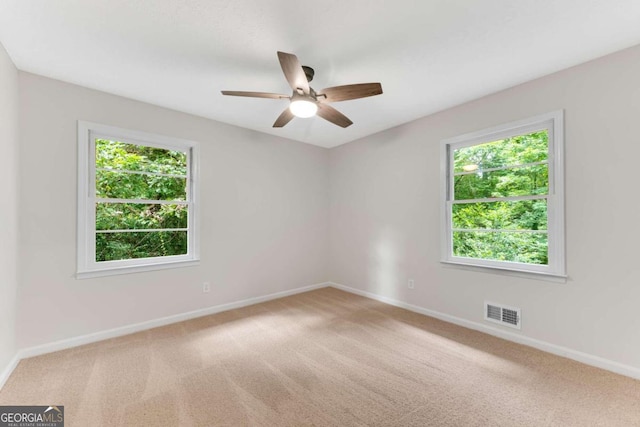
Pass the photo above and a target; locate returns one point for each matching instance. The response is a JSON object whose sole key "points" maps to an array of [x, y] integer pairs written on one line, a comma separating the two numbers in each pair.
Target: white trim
{"points": [[536, 275], [493, 265], [495, 133], [140, 201], [556, 200], [588, 359], [554, 124], [134, 265], [501, 168], [495, 199], [155, 323], [86, 233], [135, 268], [144, 230], [585, 358], [134, 137], [8, 370], [142, 326], [130, 172], [486, 230]]}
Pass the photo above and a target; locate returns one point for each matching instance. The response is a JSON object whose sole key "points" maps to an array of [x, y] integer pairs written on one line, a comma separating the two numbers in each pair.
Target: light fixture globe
{"points": [[303, 108]]}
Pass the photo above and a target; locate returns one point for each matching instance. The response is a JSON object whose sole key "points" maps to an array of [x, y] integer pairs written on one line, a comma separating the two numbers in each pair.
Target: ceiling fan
{"points": [[306, 102]]}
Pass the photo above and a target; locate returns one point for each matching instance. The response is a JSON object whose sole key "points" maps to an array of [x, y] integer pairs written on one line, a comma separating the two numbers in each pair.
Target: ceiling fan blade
{"points": [[254, 94], [334, 116], [293, 71], [347, 92], [283, 118]]}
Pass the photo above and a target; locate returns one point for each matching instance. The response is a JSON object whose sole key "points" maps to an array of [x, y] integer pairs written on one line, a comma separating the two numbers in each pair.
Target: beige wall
{"points": [[264, 206], [9, 206], [385, 212]]}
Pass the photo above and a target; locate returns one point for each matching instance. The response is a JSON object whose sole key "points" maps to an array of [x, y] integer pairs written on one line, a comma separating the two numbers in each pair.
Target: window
{"points": [[503, 197], [136, 201]]}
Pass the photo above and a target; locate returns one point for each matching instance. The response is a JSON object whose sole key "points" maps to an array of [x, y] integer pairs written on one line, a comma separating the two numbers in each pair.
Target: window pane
{"points": [[133, 216], [120, 155], [122, 185], [526, 181], [518, 215], [518, 150], [530, 248], [117, 246]]}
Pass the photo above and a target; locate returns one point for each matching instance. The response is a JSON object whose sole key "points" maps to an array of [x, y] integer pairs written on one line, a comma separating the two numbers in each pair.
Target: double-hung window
{"points": [[503, 197], [136, 201]]}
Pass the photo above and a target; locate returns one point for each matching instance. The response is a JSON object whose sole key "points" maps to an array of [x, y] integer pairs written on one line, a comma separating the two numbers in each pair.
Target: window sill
{"points": [[88, 274], [535, 275]]}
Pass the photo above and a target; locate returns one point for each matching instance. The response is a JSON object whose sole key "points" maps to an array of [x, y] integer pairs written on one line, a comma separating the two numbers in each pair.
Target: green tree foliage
{"points": [[496, 170], [128, 171]]}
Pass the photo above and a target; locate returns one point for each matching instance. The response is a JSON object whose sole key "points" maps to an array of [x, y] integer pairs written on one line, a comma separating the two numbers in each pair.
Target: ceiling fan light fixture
{"points": [[306, 102], [303, 108]]}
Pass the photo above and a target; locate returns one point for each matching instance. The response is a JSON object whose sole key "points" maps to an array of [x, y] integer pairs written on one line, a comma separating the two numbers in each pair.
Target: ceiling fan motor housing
{"points": [[309, 72]]}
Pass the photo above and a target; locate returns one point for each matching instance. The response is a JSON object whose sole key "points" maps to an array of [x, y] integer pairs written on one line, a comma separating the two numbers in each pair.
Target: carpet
{"points": [[323, 358]]}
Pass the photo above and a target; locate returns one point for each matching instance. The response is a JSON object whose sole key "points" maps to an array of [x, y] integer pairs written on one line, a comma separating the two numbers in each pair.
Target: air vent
{"points": [[506, 316]]}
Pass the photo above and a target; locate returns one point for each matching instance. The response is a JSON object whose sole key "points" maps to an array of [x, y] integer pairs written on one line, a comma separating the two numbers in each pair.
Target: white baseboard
{"points": [[6, 373], [588, 359], [137, 327], [150, 324]]}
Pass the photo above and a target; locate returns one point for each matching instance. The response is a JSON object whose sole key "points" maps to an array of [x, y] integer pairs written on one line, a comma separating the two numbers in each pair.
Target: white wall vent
{"points": [[506, 316]]}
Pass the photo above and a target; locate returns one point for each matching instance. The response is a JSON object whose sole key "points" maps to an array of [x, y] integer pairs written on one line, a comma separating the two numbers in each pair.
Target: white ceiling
{"points": [[428, 54]]}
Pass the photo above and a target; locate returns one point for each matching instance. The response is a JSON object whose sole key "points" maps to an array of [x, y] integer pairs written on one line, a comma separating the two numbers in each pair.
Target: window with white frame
{"points": [[503, 197], [136, 201]]}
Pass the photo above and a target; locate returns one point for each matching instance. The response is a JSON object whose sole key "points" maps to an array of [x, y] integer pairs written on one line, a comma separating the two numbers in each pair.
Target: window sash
{"points": [[515, 166], [497, 230], [167, 175], [498, 199], [96, 199], [140, 230]]}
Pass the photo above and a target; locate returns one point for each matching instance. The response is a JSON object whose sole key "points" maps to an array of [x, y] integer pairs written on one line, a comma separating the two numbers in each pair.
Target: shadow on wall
{"points": [[384, 272]]}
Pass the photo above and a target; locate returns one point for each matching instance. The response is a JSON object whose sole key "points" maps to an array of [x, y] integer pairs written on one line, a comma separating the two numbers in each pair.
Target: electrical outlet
{"points": [[411, 284], [206, 287]]}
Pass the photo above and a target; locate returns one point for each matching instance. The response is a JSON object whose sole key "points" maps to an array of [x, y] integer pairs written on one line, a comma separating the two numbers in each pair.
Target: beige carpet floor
{"points": [[325, 358]]}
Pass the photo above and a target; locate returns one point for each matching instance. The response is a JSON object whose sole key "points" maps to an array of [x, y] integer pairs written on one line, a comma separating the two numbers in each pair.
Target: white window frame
{"points": [[87, 266], [554, 123]]}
